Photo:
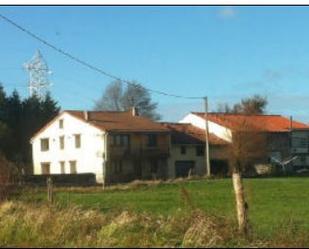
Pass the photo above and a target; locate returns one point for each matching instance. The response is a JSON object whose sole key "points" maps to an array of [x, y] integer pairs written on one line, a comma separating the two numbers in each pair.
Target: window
{"points": [[300, 142], [120, 140], [117, 165], [44, 144], [61, 123], [200, 150], [152, 140], [73, 167], [125, 140], [183, 150], [45, 168], [62, 167], [61, 142], [77, 141]]}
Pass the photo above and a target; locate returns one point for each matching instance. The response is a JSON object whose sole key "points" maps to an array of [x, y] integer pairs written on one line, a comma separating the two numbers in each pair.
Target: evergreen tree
{"points": [[13, 121], [19, 121], [49, 108], [3, 100]]}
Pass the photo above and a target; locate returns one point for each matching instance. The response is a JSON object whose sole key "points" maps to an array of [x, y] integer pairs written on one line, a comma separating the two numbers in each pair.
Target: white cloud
{"points": [[227, 12]]}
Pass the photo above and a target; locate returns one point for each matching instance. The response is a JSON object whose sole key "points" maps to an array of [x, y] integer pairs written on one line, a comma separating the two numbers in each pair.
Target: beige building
{"points": [[187, 153]]}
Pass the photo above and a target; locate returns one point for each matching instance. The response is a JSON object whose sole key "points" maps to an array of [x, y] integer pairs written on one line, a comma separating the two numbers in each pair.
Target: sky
{"points": [[223, 52]]}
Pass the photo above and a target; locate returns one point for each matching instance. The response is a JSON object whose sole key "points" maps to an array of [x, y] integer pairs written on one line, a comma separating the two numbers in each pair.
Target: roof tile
{"points": [[188, 134], [119, 121], [269, 123]]}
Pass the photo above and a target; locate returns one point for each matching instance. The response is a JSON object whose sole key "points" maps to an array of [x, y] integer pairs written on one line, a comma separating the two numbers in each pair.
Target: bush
{"points": [[86, 179], [8, 176]]}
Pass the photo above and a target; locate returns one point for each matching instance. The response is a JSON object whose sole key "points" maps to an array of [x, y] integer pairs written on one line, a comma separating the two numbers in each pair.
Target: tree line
{"points": [[19, 120]]}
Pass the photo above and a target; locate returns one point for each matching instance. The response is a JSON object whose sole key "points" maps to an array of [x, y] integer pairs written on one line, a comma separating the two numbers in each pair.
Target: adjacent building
{"points": [[187, 152], [286, 138]]}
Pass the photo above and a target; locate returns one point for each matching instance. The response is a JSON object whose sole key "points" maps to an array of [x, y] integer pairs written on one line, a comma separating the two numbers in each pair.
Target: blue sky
{"points": [[226, 53]]}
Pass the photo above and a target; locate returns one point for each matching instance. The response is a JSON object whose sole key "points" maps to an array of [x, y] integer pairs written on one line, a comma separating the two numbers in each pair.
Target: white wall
{"points": [[220, 131], [89, 157]]}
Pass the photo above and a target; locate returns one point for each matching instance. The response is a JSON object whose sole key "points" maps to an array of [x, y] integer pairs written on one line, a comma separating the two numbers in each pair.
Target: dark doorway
{"points": [[219, 167], [183, 168], [138, 169]]}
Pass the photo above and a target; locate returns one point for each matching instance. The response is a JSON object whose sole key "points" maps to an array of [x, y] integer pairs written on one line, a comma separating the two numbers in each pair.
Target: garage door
{"points": [[183, 168], [219, 167]]}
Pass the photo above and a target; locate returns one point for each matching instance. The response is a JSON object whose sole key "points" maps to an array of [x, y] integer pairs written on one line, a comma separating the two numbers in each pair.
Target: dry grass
{"points": [[29, 225], [123, 186], [24, 225]]}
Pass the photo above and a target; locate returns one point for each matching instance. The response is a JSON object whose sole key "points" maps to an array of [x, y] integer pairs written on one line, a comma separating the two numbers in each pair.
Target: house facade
{"points": [[285, 138], [115, 146], [187, 152], [300, 147], [122, 146]]}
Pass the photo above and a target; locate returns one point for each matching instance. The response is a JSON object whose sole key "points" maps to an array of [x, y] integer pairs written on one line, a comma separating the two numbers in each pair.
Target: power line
{"points": [[86, 64]]}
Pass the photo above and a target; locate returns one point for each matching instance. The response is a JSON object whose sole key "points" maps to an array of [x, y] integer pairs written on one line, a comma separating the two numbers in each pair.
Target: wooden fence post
{"points": [[190, 173], [241, 205], [49, 182]]}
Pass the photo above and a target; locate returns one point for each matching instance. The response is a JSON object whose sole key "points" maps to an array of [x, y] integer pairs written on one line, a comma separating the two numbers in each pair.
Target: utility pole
{"points": [[206, 138]]}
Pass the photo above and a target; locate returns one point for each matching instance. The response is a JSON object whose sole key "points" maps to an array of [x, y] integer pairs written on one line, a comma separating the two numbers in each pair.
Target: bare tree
{"points": [[136, 95], [251, 105], [115, 98], [224, 108], [111, 98], [248, 147]]}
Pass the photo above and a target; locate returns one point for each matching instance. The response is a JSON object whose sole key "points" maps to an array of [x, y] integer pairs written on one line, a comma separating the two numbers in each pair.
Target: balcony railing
{"points": [[144, 152]]}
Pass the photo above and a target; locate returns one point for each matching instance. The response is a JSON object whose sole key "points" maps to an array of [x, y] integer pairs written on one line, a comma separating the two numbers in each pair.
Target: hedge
{"points": [[85, 179]]}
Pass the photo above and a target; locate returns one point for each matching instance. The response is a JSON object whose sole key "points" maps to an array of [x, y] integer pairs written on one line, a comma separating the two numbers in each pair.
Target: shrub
{"points": [[8, 176], [82, 179]]}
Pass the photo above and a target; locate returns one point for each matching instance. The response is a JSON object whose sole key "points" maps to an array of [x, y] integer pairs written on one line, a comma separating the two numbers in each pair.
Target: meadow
{"points": [[278, 212]]}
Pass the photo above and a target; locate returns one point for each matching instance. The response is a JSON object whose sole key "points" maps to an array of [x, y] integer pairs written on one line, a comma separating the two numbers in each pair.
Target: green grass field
{"points": [[274, 203]]}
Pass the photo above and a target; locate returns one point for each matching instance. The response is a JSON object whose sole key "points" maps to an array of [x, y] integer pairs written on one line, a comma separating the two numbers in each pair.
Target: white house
{"points": [[115, 146], [198, 120], [68, 145]]}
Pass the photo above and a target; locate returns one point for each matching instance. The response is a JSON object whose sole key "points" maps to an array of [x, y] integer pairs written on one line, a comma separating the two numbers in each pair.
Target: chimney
{"points": [[134, 111], [291, 122], [86, 117]]}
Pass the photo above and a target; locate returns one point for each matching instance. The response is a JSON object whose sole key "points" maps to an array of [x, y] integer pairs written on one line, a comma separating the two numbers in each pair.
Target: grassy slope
{"points": [[273, 203]]}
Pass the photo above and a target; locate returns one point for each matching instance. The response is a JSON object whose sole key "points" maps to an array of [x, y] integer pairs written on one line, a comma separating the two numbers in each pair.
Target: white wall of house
{"points": [[220, 131], [89, 157]]}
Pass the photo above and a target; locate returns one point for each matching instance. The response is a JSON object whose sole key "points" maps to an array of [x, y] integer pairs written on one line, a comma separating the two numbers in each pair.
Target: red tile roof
{"points": [[113, 122], [183, 133], [119, 121], [268, 123]]}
